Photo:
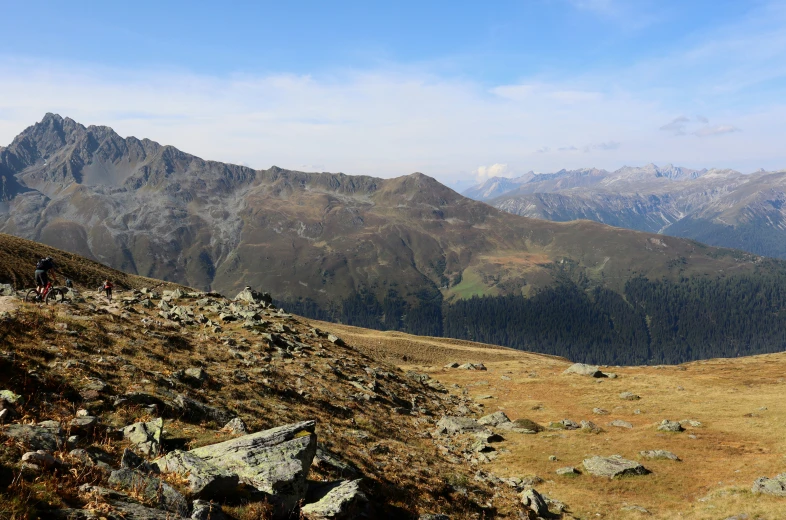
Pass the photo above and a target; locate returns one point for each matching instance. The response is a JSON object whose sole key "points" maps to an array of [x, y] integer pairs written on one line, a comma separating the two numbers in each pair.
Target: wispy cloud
{"points": [[483, 173], [716, 130], [676, 126]]}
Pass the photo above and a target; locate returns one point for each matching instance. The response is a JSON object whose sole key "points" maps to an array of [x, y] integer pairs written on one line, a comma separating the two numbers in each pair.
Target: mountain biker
{"points": [[42, 269]]}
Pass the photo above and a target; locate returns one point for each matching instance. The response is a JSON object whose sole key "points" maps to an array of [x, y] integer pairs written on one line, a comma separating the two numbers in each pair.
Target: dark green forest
{"points": [[652, 322]]}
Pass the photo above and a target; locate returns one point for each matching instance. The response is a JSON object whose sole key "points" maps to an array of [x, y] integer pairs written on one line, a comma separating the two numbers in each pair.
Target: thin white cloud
{"points": [[483, 173], [716, 130], [676, 126]]}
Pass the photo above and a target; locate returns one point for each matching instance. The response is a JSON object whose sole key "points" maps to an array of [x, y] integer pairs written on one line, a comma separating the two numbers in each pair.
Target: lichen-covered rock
{"points": [[771, 486], [494, 419], [10, 397], [614, 466], [145, 436], [535, 502], [670, 426], [153, 490], [204, 479], [658, 454], [453, 425], [204, 510], [251, 296], [37, 437], [343, 502], [236, 426], [629, 396], [274, 461]]}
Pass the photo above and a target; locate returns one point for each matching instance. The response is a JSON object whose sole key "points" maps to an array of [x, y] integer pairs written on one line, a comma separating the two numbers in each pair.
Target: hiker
{"points": [[42, 269], [108, 288]]}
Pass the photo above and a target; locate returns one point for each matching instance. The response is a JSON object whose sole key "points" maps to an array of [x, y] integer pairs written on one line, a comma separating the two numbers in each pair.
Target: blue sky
{"points": [[457, 90]]}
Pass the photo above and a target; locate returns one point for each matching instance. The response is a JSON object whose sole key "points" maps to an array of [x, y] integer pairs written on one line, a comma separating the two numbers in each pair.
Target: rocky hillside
{"points": [[167, 404], [718, 207]]}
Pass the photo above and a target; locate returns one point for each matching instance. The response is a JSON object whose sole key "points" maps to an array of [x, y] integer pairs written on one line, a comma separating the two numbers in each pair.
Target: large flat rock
{"points": [[613, 466], [274, 461]]}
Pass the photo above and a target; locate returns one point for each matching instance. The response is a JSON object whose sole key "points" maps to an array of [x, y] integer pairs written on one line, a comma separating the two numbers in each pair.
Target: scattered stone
{"points": [[40, 458], [236, 426], [326, 459], [584, 370], [335, 339], [344, 501], [494, 419], [10, 397], [473, 366], [658, 454], [151, 489], [619, 423], [37, 437], [629, 396], [130, 460], [535, 502], [274, 461], [614, 466], [197, 374], [600, 411], [7, 290], [771, 486], [205, 510], [83, 425], [568, 471], [670, 426], [553, 458], [251, 296], [451, 365], [590, 427], [453, 425], [522, 426], [146, 437], [204, 479]]}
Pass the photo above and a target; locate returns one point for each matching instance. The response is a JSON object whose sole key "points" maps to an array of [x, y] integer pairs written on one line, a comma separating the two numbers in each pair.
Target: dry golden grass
{"points": [[740, 403]]}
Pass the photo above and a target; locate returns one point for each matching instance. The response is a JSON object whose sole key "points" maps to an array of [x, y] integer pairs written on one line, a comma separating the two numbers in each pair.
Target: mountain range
{"points": [[719, 207], [406, 253]]}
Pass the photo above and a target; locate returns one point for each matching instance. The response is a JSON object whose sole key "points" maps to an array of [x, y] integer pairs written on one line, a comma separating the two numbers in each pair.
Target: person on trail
{"points": [[108, 289], [42, 269]]}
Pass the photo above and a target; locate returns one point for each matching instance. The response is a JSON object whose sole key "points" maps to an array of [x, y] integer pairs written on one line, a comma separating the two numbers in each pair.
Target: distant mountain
{"points": [[384, 253], [719, 207]]}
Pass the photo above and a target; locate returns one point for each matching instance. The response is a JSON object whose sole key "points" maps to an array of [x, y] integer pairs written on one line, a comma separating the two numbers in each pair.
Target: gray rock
{"points": [[328, 460], [494, 419], [343, 502], [590, 427], [600, 411], [204, 510], [251, 296], [670, 426], [145, 437], [151, 489], [274, 461], [7, 290], [130, 460], [568, 471], [451, 365], [614, 466], [453, 425], [429, 516], [770, 486], [37, 437], [204, 479], [619, 423], [10, 397], [40, 458], [196, 411], [196, 373], [629, 396], [473, 366], [236, 426], [658, 454], [123, 507], [535, 502], [83, 425], [584, 370]]}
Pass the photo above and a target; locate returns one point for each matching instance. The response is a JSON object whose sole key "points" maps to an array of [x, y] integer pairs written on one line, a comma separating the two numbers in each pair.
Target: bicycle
{"points": [[53, 294]]}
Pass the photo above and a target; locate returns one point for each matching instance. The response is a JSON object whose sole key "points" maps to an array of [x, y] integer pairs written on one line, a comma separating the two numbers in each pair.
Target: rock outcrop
{"points": [[613, 467]]}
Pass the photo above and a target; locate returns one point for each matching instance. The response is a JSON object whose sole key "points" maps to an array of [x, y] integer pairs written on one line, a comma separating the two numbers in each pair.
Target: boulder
{"points": [[670, 426], [151, 489], [196, 373], [7, 290], [568, 471], [196, 411], [236, 426], [40, 458], [251, 296], [600, 411], [494, 419], [629, 396], [614, 466], [521, 426], [771, 486], [535, 502], [10, 397], [658, 454], [123, 507], [451, 365], [619, 423], [590, 427], [204, 479], [333, 462], [146, 437], [473, 366], [204, 510], [453, 425], [37, 437], [344, 501], [274, 461], [584, 370]]}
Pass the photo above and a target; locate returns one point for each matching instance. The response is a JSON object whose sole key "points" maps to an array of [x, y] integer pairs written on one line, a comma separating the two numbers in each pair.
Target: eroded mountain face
{"points": [[719, 207]]}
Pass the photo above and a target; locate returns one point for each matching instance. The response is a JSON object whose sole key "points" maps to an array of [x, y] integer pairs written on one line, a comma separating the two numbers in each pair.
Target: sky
{"points": [[459, 90]]}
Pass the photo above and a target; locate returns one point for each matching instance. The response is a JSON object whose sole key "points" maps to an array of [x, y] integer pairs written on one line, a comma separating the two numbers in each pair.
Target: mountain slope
{"points": [[383, 253]]}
